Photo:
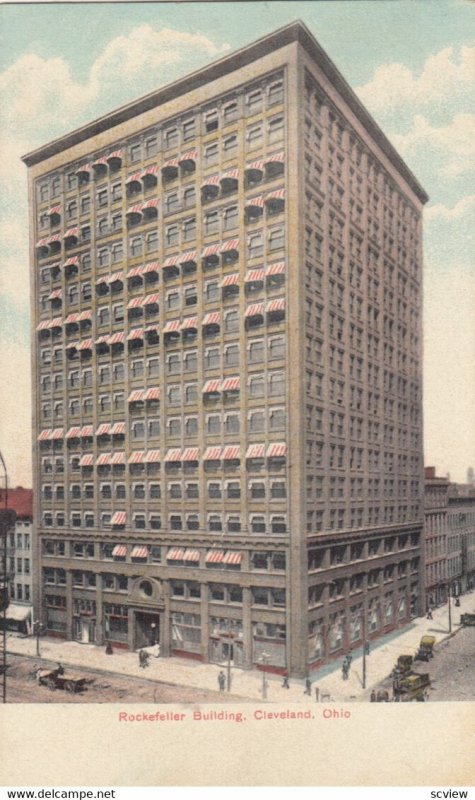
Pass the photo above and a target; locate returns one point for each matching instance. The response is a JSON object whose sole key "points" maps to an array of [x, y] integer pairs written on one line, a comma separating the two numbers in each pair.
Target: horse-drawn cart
{"points": [[59, 679]]}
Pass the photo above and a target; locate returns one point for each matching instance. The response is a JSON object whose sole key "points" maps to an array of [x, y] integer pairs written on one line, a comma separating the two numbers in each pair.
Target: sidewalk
{"points": [[248, 684]]}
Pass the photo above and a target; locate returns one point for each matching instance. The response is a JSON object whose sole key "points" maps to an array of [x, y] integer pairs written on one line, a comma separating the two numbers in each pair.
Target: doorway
{"points": [[147, 629]]}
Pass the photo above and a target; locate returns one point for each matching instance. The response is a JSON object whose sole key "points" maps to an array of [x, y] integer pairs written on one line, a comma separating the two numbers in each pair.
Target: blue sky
{"points": [[410, 61]]}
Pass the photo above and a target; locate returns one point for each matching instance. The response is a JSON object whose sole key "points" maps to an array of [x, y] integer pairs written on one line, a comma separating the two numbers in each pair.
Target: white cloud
{"points": [[446, 75], [440, 212], [15, 412]]}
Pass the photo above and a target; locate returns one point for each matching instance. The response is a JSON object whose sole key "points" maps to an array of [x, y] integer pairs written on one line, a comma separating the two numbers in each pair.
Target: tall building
{"points": [[436, 494], [19, 546], [227, 359]]}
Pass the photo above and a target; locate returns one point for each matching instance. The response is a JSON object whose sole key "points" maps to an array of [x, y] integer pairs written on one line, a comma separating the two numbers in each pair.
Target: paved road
{"points": [[101, 687]]}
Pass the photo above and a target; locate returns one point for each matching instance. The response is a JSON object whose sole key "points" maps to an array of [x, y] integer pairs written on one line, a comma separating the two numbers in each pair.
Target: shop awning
{"points": [[86, 430], [230, 280], [277, 450], [173, 326], [279, 194], [212, 318], [275, 305], [231, 384], [211, 250], [17, 612], [214, 556], [254, 276], [190, 454], [139, 551], [232, 452], [104, 460], [213, 454], [231, 244], [173, 455], [136, 396], [192, 555], [276, 269], [152, 394], [119, 518], [212, 386], [87, 460], [119, 551], [232, 557], [275, 157], [176, 554], [152, 457], [190, 155], [118, 458], [118, 429], [137, 457], [230, 174], [256, 451], [138, 333], [188, 258], [103, 429], [256, 310], [190, 323]]}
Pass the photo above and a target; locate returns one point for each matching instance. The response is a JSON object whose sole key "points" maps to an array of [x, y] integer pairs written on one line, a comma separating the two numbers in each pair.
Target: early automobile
{"points": [[426, 649]]}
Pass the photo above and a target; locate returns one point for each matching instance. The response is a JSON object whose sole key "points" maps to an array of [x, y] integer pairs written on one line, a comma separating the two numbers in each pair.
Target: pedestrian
{"points": [[349, 659], [429, 614], [372, 697], [60, 669], [157, 654], [367, 648], [317, 694], [344, 670], [143, 658], [109, 649], [221, 681], [285, 681], [308, 687]]}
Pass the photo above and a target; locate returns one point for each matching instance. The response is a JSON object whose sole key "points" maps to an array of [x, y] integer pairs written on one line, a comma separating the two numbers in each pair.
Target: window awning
{"points": [[256, 310], [172, 326], [214, 556], [137, 457], [212, 318], [275, 269], [45, 435], [100, 162], [254, 276], [56, 294], [72, 346], [86, 431], [152, 457], [119, 551], [152, 394], [86, 344], [255, 202], [54, 210], [256, 451], [230, 175], [190, 155], [152, 203], [188, 258], [43, 325], [138, 333], [103, 429], [151, 299], [190, 454], [277, 450], [116, 277], [104, 339], [71, 319], [232, 557], [135, 272], [279, 157], [214, 385], [56, 323], [57, 433], [279, 194], [104, 460], [176, 554], [192, 555], [118, 458], [136, 302], [135, 177], [71, 262], [153, 170], [232, 452], [213, 454], [152, 266], [230, 280], [85, 168], [73, 433], [231, 244], [17, 612], [139, 551], [87, 460], [136, 209], [71, 233], [171, 261], [152, 329], [275, 305], [115, 155], [172, 162], [211, 250], [119, 518], [256, 165], [173, 455], [231, 384], [116, 338], [118, 429], [211, 180], [189, 323], [136, 396]]}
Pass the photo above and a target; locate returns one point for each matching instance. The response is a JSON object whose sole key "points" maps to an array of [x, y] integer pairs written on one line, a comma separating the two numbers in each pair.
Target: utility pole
{"points": [[264, 657], [450, 608], [5, 589], [364, 646]]}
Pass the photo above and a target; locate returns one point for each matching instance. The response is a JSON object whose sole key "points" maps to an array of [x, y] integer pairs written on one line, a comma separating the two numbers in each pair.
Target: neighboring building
{"points": [[19, 558], [461, 538], [226, 283], [435, 540]]}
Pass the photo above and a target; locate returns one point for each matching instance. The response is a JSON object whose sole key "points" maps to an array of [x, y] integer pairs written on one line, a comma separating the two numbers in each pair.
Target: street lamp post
{"points": [[450, 608], [37, 629], [264, 658]]}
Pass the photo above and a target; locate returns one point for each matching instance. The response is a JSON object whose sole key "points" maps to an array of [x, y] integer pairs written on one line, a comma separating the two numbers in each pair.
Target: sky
{"points": [[412, 64]]}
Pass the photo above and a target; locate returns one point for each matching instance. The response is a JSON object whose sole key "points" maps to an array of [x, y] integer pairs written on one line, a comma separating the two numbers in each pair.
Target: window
{"points": [[230, 217], [276, 129], [256, 351], [276, 239], [171, 235], [117, 252], [256, 386], [230, 146], [136, 247], [230, 111], [191, 426], [134, 152], [277, 419], [189, 130], [103, 315], [190, 362], [258, 524], [211, 154], [189, 229], [211, 222], [232, 423], [231, 322], [211, 291], [151, 146], [189, 196], [276, 383], [256, 421], [276, 93], [254, 136], [255, 247], [211, 121], [174, 426], [213, 424], [212, 358], [171, 137], [276, 348], [231, 355], [254, 101]]}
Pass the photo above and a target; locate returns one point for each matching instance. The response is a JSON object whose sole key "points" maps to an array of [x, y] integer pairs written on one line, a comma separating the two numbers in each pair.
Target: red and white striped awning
{"points": [[171, 261], [86, 431], [136, 302], [276, 450], [56, 323], [256, 451], [139, 551], [212, 318], [116, 154], [214, 556], [231, 384], [256, 310], [152, 203], [211, 250], [118, 458], [138, 333], [104, 460], [232, 557], [190, 454], [137, 457], [72, 346], [136, 396], [152, 329], [104, 429], [118, 429], [231, 244], [57, 433], [56, 294], [119, 551], [86, 344], [230, 175], [176, 554], [43, 325], [255, 202], [213, 454], [173, 455], [153, 170], [74, 260], [190, 155], [135, 177], [73, 433], [153, 393], [211, 180], [116, 277], [100, 162], [152, 457], [84, 168], [43, 242], [274, 157], [254, 276], [275, 305], [172, 326], [172, 162], [232, 452], [278, 194], [152, 266], [71, 233], [151, 299], [257, 165], [189, 323], [214, 385], [116, 338], [45, 435], [136, 209], [230, 280], [104, 339], [276, 269], [54, 210], [87, 460], [119, 518], [192, 555], [188, 258]]}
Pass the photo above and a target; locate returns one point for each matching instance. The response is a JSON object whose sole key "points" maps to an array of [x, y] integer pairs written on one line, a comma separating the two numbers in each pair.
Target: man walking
{"points": [[221, 681]]}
